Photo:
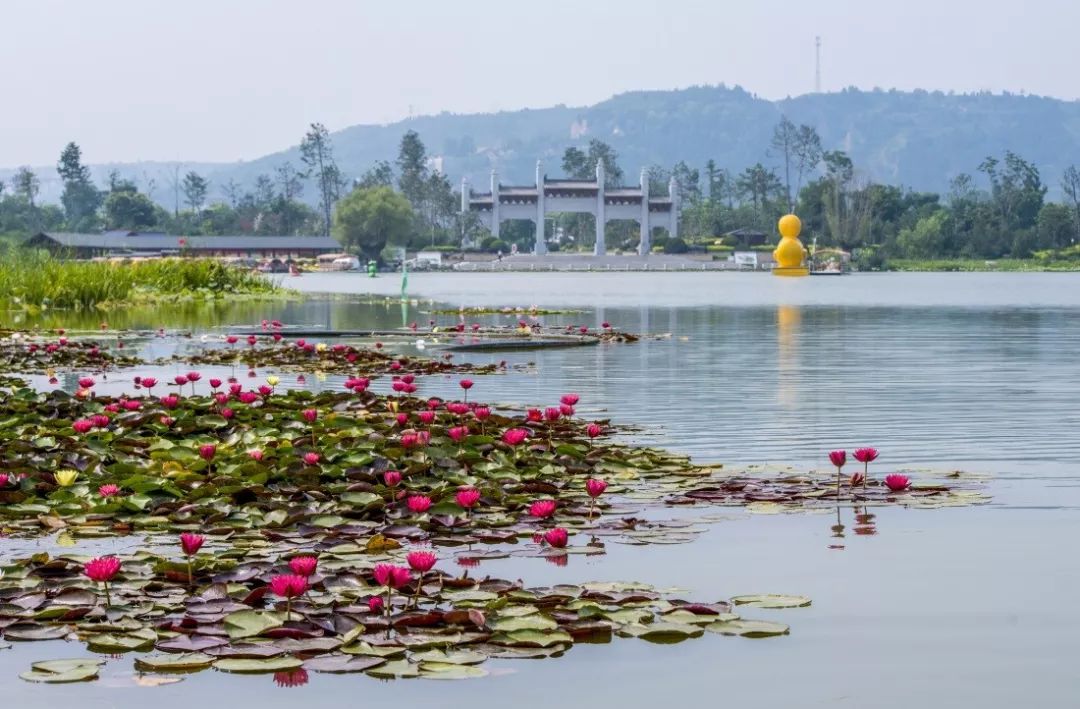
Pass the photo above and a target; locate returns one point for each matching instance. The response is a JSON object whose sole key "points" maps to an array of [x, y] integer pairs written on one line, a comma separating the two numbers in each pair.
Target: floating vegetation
{"points": [[26, 354], [286, 532], [532, 311], [340, 358]]}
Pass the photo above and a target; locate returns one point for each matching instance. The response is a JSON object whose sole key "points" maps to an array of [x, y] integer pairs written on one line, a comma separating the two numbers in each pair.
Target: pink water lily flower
{"points": [[467, 497], [82, 425], [514, 436], [419, 503], [190, 543], [303, 565], [595, 487], [557, 537], [897, 482], [421, 561], [109, 490], [391, 576], [542, 508]]}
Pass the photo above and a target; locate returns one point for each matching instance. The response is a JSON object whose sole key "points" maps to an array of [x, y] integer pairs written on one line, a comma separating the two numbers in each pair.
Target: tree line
{"points": [[998, 210]]}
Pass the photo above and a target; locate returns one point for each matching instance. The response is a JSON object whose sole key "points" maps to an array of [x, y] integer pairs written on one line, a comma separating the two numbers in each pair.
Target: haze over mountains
{"points": [[916, 139]]}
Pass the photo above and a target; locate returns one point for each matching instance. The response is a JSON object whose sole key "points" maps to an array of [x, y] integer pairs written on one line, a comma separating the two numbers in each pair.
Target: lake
{"points": [[949, 607]]}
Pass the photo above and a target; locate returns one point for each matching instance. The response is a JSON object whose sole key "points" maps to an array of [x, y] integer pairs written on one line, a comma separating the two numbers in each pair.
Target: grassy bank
{"points": [[972, 265], [37, 280]]}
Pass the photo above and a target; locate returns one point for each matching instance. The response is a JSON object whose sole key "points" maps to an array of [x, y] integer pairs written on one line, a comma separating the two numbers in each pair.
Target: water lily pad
{"points": [[534, 621], [341, 664], [453, 657], [257, 666], [395, 669], [184, 662], [771, 600], [748, 628], [247, 624], [531, 638], [62, 671], [447, 670], [662, 632]]}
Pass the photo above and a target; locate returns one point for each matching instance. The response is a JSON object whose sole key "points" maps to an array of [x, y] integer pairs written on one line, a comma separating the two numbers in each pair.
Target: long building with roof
{"points": [[133, 243]]}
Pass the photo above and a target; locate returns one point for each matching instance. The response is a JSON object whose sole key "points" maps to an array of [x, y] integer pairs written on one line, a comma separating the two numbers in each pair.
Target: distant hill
{"points": [[917, 139]]}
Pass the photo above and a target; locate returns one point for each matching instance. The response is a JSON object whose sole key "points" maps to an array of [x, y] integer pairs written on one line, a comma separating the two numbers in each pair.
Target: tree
{"points": [[926, 239], [368, 219], [128, 209], [25, 184], [318, 155], [80, 198], [808, 154], [785, 135], [582, 165], [195, 188], [1016, 190], [381, 174], [412, 167], [231, 191], [689, 181], [1055, 227], [759, 184], [1070, 185]]}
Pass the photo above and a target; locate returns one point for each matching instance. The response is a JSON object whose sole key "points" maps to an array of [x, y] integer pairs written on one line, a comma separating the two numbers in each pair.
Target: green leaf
{"points": [[248, 624], [61, 671], [771, 600], [259, 665], [748, 628], [184, 662]]}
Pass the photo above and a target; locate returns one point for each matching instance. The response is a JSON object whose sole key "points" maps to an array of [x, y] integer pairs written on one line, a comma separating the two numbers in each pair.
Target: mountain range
{"points": [[917, 139]]}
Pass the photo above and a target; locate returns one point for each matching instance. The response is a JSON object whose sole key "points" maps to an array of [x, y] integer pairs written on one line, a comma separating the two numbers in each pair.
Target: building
{"points": [[606, 203], [150, 244]]}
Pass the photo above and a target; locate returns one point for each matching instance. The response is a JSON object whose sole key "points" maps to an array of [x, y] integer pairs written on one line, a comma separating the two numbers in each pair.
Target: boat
{"points": [[337, 262]]}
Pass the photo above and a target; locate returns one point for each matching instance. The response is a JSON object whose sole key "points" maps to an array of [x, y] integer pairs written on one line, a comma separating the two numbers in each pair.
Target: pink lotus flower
{"points": [[375, 604], [235, 389], [482, 413], [86, 382], [103, 569], [251, 340], [534, 415], [232, 339], [426, 417], [457, 433], [167, 421], [132, 405], [557, 537], [266, 390], [897, 482], [288, 585], [394, 366], [180, 379], [421, 561], [109, 490], [398, 385], [569, 399], [310, 415], [248, 397], [857, 478], [838, 458], [215, 383], [255, 454], [100, 420], [866, 455], [606, 325], [148, 382], [402, 419], [190, 543], [303, 565], [391, 478], [457, 408], [221, 398], [409, 440], [566, 410], [593, 430], [82, 425], [419, 503], [227, 413], [391, 576], [112, 408], [466, 384], [514, 436], [551, 413], [542, 508], [207, 452], [467, 497], [311, 458], [193, 376], [595, 487], [171, 401]]}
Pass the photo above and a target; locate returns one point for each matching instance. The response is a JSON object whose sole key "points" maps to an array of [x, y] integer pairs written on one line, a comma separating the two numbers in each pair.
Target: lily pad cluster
{"points": [[302, 355], [21, 353], [436, 625]]}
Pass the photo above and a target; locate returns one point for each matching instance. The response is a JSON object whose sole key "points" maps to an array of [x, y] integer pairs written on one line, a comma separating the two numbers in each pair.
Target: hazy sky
{"points": [[233, 79]]}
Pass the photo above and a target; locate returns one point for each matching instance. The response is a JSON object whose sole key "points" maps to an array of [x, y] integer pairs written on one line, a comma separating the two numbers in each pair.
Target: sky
{"points": [[225, 80]]}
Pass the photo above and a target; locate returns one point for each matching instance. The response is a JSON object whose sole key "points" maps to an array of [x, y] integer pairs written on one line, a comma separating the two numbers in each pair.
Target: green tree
{"points": [[381, 174], [80, 197], [582, 165], [1016, 189], [367, 219], [25, 184], [926, 239], [128, 209], [1070, 185], [317, 154], [1055, 226], [412, 167], [195, 188]]}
